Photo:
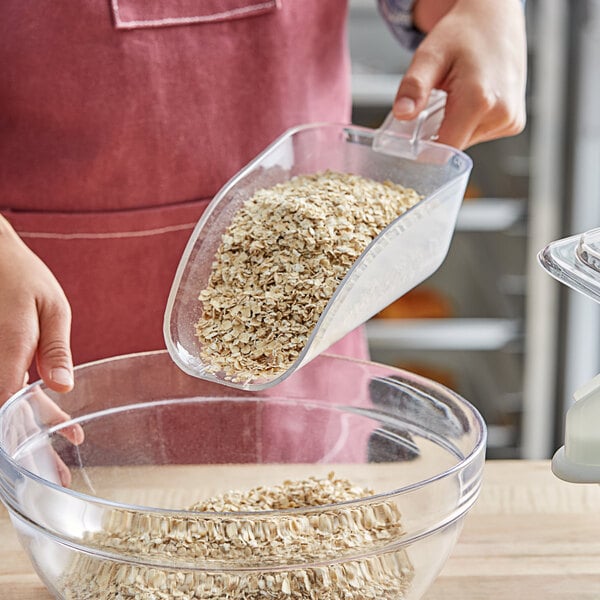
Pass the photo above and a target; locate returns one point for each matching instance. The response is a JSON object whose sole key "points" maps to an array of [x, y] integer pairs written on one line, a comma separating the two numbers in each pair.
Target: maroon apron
{"points": [[119, 120]]}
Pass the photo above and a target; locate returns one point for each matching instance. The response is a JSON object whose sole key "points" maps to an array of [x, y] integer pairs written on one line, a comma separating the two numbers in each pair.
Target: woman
{"points": [[121, 120]]}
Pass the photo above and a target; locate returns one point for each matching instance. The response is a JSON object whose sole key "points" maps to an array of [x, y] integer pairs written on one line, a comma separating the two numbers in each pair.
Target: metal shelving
{"points": [[480, 345], [491, 214], [444, 334]]}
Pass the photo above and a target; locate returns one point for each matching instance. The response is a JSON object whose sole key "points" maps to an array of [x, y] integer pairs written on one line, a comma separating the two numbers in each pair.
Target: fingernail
{"points": [[62, 376], [76, 434], [404, 106]]}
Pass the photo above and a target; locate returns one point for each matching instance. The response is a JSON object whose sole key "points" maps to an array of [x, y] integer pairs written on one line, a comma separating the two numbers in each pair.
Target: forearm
{"points": [[426, 13]]}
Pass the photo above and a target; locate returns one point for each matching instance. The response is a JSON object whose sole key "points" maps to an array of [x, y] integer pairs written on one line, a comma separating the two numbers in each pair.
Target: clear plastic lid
{"points": [[575, 261]]}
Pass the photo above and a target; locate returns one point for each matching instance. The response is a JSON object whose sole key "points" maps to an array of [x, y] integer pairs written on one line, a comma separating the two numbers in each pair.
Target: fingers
{"points": [[49, 413], [477, 53], [474, 111], [55, 365], [426, 71], [54, 353], [479, 114], [502, 123], [23, 335], [462, 116], [19, 335], [64, 474]]}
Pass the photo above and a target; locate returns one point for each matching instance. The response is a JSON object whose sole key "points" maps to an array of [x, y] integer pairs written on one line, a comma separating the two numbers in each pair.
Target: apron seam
{"points": [[107, 235]]}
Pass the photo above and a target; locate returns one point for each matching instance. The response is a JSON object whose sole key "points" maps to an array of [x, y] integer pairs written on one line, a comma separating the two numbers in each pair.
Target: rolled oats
{"points": [[287, 249], [285, 556]]}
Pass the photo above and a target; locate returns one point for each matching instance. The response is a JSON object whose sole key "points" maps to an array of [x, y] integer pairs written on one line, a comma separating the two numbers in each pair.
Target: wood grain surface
{"points": [[530, 536]]}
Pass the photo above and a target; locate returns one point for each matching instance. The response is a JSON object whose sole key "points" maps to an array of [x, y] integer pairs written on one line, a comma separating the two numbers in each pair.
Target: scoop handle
{"points": [[402, 138]]}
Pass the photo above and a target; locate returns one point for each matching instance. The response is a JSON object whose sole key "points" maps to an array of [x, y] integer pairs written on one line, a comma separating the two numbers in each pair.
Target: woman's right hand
{"points": [[476, 51], [35, 319]]}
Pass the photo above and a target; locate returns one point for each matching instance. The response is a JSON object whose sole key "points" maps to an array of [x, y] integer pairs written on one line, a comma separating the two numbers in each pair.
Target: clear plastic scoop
{"points": [[575, 261], [403, 255]]}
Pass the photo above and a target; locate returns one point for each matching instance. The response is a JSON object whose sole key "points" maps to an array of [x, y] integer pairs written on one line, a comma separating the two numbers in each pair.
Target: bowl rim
{"points": [[462, 464], [212, 565]]}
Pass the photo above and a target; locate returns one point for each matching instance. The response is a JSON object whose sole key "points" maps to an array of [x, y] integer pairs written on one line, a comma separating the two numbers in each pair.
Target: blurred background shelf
{"points": [[444, 334], [491, 214], [373, 89], [465, 326], [491, 324]]}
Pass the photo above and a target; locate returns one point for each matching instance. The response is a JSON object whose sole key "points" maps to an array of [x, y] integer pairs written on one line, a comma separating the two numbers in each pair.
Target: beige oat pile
{"points": [[270, 542], [279, 263]]}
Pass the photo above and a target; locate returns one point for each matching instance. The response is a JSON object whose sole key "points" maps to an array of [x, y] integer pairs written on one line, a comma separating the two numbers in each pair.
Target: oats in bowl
{"points": [[314, 541]]}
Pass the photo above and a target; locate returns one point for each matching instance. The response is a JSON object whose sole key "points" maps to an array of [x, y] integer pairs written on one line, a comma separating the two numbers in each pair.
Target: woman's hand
{"points": [[475, 50], [35, 319]]}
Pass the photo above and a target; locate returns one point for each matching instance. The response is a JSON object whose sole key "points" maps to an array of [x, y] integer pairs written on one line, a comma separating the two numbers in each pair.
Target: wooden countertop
{"points": [[530, 536]]}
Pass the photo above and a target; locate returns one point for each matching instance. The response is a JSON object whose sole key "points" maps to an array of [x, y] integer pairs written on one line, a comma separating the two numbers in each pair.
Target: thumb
{"points": [[54, 361], [426, 71]]}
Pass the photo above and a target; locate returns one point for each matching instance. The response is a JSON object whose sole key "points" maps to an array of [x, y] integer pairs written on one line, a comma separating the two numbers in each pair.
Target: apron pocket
{"points": [[139, 14]]}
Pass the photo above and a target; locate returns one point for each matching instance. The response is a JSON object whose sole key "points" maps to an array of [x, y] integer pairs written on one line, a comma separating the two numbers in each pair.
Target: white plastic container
{"points": [[575, 261], [408, 251]]}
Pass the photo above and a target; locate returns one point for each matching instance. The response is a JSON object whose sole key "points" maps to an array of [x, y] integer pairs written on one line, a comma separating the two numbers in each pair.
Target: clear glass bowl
{"points": [[157, 440], [403, 255]]}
